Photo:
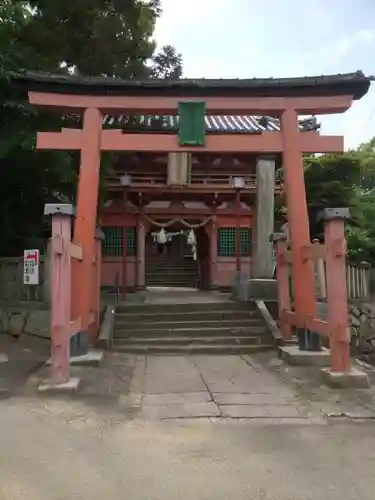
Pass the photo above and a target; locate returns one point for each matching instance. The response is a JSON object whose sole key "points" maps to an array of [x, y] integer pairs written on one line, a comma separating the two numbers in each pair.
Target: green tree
{"points": [[366, 157], [167, 64], [361, 233], [345, 180], [96, 37], [330, 181], [90, 37]]}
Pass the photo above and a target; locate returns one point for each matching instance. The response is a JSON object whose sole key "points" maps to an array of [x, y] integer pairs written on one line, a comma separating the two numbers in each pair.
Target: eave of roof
{"points": [[355, 84], [214, 124]]}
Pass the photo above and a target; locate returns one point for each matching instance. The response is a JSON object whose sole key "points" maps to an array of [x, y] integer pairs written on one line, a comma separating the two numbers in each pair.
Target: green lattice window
{"points": [[114, 241], [226, 242]]}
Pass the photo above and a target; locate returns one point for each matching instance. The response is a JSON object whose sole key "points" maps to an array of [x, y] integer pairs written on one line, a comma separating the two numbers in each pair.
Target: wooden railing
{"points": [[141, 178], [199, 178], [358, 276], [358, 279], [196, 179]]}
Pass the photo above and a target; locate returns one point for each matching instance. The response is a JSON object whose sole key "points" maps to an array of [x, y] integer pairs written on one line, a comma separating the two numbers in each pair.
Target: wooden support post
{"points": [[238, 233], [339, 331], [213, 254], [283, 290], [60, 290], [124, 263], [141, 247], [47, 273], [298, 222], [264, 221], [85, 224], [320, 274], [99, 237]]}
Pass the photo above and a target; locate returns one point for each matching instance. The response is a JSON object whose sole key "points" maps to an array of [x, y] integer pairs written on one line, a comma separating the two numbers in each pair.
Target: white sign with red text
{"points": [[31, 267]]}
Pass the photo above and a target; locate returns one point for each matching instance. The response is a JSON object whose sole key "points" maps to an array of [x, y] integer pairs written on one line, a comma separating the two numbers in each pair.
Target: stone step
{"points": [[178, 270], [187, 316], [172, 324], [220, 327], [171, 278], [196, 340], [171, 282], [178, 278], [190, 264], [169, 262], [215, 331], [171, 270], [185, 307], [184, 350]]}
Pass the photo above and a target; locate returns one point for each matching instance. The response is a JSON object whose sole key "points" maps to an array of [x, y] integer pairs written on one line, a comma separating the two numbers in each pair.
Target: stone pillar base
{"points": [[67, 387], [355, 379], [93, 357], [293, 355]]}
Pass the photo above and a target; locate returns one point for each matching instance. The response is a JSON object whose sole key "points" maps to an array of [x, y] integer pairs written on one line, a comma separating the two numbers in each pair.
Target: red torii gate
{"points": [[285, 98]]}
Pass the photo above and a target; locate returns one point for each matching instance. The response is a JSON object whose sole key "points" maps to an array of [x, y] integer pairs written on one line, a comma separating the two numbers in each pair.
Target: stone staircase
{"points": [[191, 328], [177, 273]]}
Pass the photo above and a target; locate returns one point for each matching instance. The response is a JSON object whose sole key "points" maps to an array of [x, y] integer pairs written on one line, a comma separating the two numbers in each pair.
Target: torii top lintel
{"points": [[307, 95]]}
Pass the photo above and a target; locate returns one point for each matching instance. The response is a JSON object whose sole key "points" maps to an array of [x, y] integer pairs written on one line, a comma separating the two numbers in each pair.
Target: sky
{"points": [[278, 38]]}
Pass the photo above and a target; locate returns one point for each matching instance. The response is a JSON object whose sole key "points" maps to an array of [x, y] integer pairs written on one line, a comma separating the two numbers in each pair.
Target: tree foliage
{"points": [[330, 180], [343, 180], [88, 37]]}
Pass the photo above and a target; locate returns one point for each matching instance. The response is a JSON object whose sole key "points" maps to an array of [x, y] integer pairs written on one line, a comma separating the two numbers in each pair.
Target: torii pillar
{"points": [[298, 222], [85, 223]]}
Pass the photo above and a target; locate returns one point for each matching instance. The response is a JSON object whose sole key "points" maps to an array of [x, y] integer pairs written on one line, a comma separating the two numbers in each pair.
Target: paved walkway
{"points": [[63, 449], [185, 442], [18, 359], [166, 387]]}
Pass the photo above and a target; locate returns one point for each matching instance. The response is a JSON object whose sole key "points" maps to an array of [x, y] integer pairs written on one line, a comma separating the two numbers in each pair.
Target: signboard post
{"points": [[31, 267]]}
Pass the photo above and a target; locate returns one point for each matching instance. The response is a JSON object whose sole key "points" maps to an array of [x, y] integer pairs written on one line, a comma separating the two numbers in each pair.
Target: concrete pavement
{"points": [[59, 449], [205, 427], [18, 359], [167, 387]]}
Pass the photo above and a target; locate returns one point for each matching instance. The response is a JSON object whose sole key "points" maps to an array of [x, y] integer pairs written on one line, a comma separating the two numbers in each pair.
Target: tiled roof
{"points": [[355, 84], [223, 123]]}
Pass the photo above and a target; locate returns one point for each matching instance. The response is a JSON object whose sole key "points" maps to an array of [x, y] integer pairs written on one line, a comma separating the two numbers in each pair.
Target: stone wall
{"points": [[24, 309], [25, 318], [362, 321], [12, 287]]}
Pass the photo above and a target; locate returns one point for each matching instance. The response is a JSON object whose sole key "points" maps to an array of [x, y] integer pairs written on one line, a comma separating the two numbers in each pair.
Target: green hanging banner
{"points": [[192, 123]]}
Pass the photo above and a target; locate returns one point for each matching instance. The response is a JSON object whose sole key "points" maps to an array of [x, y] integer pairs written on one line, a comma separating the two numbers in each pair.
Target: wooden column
{"points": [[99, 237], [85, 223], [238, 232], [263, 259], [335, 243], [47, 273], [298, 220], [213, 254], [141, 246], [283, 289], [61, 294], [124, 262]]}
